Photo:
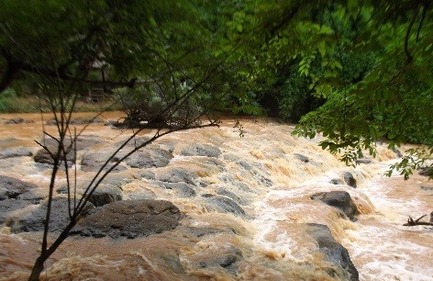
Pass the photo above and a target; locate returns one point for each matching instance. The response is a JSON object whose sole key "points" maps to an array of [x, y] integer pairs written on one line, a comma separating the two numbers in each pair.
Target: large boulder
{"points": [[340, 200], [334, 252], [130, 219]]}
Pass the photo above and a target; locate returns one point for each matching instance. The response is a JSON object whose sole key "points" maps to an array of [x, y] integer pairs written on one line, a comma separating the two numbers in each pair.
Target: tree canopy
{"points": [[355, 71]]}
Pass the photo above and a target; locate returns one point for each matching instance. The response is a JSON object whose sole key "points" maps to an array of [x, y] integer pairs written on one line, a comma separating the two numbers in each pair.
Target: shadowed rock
{"points": [[349, 179], [334, 252], [340, 200], [130, 219], [11, 188], [201, 150]]}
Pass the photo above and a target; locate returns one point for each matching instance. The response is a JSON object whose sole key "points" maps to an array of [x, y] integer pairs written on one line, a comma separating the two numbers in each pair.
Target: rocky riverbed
{"points": [[208, 204]]}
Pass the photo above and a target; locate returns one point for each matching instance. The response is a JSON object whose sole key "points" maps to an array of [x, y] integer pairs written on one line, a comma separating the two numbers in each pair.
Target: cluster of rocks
{"points": [[107, 214]]}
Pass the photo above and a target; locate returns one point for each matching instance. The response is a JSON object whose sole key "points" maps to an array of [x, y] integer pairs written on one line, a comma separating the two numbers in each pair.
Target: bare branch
{"points": [[412, 222]]}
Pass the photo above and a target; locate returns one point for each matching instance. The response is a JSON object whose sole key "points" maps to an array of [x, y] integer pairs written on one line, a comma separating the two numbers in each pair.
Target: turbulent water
{"points": [[270, 175]]}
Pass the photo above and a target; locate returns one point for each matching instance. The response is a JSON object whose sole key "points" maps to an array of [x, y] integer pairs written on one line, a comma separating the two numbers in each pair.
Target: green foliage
{"points": [[357, 71]]}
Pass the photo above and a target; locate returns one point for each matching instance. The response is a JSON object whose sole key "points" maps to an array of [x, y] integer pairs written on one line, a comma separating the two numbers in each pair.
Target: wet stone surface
{"points": [[334, 252], [130, 219]]}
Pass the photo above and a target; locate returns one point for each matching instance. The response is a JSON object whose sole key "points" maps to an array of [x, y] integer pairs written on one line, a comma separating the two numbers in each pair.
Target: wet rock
{"points": [[225, 205], [183, 190], [175, 175], [9, 205], [340, 200], [15, 152], [231, 195], [302, 158], [226, 257], [201, 150], [94, 161], [11, 188], [145, 174], [228, 179], [336, 181], [35, 220], [334, 252], [150, 158], [212, 164], [349, 179], [130, 219], [44, 156], [105, 194]]}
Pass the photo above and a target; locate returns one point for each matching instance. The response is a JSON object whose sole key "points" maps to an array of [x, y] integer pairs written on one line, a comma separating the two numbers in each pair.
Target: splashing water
{"points": [[270, 175]]}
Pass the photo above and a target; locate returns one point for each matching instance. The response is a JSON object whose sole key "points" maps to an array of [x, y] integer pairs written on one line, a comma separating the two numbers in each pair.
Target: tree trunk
{"points": [[38, 267]]}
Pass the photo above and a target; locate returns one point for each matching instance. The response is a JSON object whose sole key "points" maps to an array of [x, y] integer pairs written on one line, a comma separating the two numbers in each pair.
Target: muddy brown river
{"points": [[270, 176]]}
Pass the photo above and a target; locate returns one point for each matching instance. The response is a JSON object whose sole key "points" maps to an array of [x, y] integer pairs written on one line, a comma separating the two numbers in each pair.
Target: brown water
{"points": [[270, 237]]}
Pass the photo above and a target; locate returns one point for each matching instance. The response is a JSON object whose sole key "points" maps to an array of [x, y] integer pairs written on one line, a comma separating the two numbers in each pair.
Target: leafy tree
{"points": [[370, 61]]}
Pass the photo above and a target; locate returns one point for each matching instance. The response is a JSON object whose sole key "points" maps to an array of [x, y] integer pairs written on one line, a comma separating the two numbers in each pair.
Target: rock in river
{"points": [[334, 253], [340, 200], [130, 219]]}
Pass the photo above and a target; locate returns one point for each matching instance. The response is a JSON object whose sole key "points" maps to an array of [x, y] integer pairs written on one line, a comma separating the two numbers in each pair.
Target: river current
{"points": [[272, 176]]}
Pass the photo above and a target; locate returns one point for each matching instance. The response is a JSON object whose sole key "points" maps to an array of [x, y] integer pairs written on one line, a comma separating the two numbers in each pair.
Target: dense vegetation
{"points": [[356, 71]]}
